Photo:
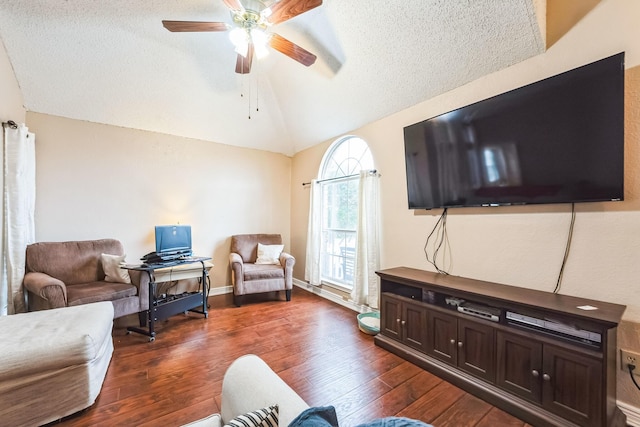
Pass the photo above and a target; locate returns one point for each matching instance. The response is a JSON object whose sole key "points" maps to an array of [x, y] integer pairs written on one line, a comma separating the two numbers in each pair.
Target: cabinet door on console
{"points": [[391, 314], [442, 334], [414, 324], [476, 349], [519, 365], [572, 386]]}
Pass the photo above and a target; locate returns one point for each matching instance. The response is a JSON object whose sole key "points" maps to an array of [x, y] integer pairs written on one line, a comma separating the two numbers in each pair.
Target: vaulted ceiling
{"points": [[113, 62]]}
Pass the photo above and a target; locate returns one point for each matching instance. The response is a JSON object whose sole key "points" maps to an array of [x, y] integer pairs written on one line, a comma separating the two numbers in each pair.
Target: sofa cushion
{"points": [[99, 291], [113, 272], [269, 254], [71, 262], [263, 272], [43, 341]]}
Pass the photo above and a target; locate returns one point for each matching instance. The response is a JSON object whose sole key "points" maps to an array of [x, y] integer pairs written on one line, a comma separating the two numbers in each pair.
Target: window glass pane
{"points": [[341, 204], [345, 158], [348, 157]]}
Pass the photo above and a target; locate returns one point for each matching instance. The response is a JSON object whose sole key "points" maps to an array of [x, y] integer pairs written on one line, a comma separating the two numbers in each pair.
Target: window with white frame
{"points": [[339, 174]]}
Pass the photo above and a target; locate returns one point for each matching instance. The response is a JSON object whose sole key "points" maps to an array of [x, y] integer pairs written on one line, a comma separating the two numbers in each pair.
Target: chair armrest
{"points": [[237, 274], [250, 384], [287, 261], [140, 279], [50, 289]]}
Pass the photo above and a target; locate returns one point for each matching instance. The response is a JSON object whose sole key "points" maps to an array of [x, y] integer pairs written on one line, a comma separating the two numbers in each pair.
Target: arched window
{"points": [[338, 180]]}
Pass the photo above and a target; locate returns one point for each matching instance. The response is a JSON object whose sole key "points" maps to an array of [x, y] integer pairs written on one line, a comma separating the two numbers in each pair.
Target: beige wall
{"points": [[521, 246], [96, 181]]}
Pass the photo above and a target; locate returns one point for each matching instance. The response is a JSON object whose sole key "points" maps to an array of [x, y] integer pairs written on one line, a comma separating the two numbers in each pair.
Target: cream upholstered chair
{"points": [[259, 264]]}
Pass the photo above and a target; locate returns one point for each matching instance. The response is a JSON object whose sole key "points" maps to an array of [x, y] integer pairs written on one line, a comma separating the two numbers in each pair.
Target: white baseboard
{"points": [[220, 291], [632, 413], [331, 296]]}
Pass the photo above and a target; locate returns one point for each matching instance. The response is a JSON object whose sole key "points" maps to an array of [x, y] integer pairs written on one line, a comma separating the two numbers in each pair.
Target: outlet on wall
{"points": [[628, 357]]}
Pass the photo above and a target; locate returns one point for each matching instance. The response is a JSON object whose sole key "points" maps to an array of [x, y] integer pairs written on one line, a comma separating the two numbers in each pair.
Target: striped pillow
{"points": [[265, 417]]}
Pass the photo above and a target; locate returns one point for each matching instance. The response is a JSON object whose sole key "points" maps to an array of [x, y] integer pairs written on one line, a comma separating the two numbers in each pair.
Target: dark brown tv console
{"points": [[546, 358]]}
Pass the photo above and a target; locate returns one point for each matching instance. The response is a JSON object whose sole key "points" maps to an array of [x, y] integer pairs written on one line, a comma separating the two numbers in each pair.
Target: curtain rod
{"points": [[372, 171], [11, 124]]}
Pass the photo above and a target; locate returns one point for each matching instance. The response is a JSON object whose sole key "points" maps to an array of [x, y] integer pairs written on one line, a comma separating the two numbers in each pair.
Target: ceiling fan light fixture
{"points": [[240, 39], [260, 40], [252, 18]]}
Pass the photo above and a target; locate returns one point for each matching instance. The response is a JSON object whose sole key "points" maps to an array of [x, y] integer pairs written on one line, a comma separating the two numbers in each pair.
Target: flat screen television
{"points": [[559, 140], [173, 239]]}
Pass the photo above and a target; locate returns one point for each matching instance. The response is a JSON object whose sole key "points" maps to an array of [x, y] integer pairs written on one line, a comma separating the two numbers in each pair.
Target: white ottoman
{"points": [[53, 362]]}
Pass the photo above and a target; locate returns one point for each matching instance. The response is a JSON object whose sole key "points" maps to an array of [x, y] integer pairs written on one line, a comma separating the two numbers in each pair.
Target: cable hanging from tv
{"points": [[567, 248], [441, 243]]}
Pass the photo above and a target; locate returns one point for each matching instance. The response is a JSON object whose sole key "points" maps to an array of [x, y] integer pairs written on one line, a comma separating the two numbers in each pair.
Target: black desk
{"points": [[162, 308]]}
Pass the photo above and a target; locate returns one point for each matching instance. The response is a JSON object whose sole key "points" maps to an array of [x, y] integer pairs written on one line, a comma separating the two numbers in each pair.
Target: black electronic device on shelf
{"points": [[173, 244]]}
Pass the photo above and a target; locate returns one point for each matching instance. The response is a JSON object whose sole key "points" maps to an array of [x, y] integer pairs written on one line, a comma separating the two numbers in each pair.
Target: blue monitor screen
{"points": [[173, 239]]}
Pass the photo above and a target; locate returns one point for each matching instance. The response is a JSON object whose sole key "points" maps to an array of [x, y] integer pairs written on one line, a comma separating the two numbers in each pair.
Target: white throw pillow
{"points": [[269, 254], [112, 271]]}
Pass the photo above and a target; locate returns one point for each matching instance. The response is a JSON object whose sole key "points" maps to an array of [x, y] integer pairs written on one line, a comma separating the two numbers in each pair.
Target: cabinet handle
{"points": [[535, 373], [403, 322], [546, 377], [397, 320], [453, 341], [459, 343]]}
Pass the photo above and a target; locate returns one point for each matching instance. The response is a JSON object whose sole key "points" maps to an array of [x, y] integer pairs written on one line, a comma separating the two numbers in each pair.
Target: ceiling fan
{"points": [[248, 32]]}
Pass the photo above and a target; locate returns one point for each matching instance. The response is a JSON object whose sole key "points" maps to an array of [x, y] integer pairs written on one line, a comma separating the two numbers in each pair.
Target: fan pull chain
{"points": [[257, 68], [249, 98]]}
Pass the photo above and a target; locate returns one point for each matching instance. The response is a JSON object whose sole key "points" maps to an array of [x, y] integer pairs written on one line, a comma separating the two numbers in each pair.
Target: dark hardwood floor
{"points": [[312, 343]]}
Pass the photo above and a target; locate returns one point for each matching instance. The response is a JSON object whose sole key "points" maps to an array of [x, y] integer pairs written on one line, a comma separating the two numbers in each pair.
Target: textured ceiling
{"points": [[113, 62]]}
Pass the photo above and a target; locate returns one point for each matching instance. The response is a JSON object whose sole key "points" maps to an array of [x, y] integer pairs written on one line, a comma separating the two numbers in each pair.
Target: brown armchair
{"points": [[249, 275], [62, 274]]}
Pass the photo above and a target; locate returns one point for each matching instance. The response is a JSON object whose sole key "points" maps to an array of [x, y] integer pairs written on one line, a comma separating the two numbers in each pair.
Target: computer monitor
{"points": [[173, 239]]}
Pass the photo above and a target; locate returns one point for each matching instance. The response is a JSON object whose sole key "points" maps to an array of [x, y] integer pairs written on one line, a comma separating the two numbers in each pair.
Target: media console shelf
{"points": [[546, 358]]}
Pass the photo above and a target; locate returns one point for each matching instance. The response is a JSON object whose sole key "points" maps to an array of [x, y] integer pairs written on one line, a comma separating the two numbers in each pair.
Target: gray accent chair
{"points": [[63, 274], [250, 278]]}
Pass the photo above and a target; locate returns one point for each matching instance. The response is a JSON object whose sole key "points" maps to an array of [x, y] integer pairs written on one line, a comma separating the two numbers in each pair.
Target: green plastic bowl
{"points": [[369, 323]]}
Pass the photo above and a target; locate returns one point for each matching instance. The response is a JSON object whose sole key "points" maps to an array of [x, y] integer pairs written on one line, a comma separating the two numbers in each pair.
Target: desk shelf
{"points": [[163, 308]]}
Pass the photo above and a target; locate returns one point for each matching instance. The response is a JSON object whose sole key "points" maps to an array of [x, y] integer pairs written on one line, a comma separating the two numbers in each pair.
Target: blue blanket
{"points": [[325, 416]]}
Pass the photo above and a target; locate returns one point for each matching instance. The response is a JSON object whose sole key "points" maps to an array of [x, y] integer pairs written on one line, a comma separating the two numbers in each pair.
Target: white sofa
{"points": [[250, 384], [53, 362]]}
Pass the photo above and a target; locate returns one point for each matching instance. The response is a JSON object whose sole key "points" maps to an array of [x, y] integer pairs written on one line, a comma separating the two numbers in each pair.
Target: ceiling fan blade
{"points": [[233, 4], [243, 65], [292, 50], [287, 9], [194, 26]]}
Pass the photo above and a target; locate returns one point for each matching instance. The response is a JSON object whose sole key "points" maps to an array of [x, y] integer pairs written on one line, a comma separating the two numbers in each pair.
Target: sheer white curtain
{"points": [[366, 286], [312, 265], [18, 224]]}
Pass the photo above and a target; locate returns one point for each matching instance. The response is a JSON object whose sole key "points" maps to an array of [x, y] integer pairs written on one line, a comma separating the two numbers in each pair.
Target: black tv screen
{"points": [[559, 140]]}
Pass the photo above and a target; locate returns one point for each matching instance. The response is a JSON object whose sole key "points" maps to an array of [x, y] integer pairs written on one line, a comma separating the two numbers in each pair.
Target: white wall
{"points": [[11, 103], [97, 181]]}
